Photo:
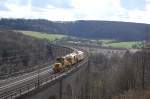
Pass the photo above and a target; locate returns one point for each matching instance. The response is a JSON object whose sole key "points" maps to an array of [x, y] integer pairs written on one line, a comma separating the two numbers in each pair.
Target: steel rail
{"points": [[30, 86]]}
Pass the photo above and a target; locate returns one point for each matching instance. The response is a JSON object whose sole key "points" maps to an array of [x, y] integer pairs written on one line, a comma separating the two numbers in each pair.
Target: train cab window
{"points": [[60, 59], [57, 64]]}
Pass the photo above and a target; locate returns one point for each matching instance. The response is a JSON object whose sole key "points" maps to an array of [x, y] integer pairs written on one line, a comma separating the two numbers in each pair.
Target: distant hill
{"points": [[87, 29]]}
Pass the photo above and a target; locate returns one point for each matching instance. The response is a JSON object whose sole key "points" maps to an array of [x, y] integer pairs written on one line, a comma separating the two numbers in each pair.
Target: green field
{"points": [[106, 41], [130, 44], [40, 35], [120, 44]]}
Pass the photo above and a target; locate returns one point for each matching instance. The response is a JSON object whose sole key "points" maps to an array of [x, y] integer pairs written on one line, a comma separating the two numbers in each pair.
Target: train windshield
{"points": [[60, 59]]}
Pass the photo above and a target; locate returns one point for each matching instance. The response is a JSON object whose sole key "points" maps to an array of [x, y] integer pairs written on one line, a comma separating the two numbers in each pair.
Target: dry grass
{"points": [[134, 94]]}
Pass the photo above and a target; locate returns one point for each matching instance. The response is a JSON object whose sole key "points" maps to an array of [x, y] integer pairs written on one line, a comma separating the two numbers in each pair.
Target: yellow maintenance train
{"points": [[65, 62]]}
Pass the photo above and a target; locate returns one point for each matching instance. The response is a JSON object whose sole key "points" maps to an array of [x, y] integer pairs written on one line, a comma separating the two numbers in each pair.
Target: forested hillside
{"points": [[20, 52], [87, 29], [108, 30], [118, 77]]}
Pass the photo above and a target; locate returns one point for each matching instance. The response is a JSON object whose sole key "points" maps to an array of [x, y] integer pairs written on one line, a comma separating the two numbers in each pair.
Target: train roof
{"points": [[73, 54]]}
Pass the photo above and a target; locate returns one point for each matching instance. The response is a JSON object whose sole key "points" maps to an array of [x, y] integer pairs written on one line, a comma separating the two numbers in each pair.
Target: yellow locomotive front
{"points": [[57, 67], [65, 62], [61, 64]]}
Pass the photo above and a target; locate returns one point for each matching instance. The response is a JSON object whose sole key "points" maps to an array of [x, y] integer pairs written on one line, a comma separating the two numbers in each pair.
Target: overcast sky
{"points": [[68, 10]]}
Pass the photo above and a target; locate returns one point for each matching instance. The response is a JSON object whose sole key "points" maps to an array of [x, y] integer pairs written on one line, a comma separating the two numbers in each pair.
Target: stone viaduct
{"points": [[71, 86]]}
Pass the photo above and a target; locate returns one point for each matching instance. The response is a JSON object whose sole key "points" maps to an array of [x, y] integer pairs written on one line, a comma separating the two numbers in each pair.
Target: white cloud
{"points": [[56, 14], [82, 10], [142, 16], [15, 10], [99, 9], [91, 9]]}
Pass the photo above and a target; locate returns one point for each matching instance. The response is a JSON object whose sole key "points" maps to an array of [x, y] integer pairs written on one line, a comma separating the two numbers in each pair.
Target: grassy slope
{"points": [[105, 41], [53, 37], [118, 44], [123, 44], [40, 35]]}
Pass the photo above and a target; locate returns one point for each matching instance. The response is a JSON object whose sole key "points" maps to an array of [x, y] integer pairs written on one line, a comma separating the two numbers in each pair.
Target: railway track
{"points": [[30, 83]]}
